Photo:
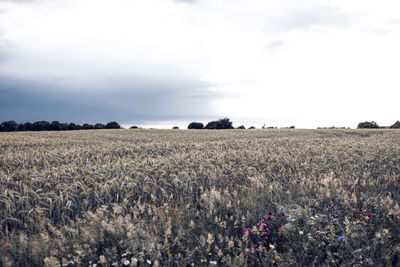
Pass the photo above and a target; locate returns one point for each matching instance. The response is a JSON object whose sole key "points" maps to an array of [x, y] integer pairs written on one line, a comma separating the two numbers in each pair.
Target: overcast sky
{"points": [[306, 63]]}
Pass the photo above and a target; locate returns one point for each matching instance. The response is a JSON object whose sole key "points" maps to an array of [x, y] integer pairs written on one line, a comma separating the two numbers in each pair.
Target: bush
{"points": [[252, 127], [219, 125], [175, 128], [99, 126], [134, 127], [113, 125], [367, 125], [196, 125], [241, 127]]}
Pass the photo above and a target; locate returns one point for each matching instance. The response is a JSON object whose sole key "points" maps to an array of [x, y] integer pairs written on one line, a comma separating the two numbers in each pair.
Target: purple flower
{"points": [[250, 231], [244, 230], [372, 239], [282, 208], [369, 215]]}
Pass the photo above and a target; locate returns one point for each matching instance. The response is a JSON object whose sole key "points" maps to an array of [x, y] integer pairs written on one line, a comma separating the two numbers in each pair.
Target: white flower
{"points": [[301, 232], [213, 262], [126, 262], [148, 261]]}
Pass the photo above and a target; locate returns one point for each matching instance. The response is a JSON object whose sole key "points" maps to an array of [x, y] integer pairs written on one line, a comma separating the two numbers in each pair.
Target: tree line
{"points": [[12, 126]]}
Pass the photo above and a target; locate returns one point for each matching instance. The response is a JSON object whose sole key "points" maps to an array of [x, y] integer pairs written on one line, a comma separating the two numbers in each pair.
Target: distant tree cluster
{"points": [[220, 124], [368, 125], [12, 126]]}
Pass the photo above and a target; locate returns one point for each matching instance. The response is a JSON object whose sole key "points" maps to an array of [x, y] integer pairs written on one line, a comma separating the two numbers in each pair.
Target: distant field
{"points": [[174, 197]]}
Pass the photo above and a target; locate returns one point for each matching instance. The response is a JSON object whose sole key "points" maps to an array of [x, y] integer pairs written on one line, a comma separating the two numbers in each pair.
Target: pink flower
{"points": [[244, 230]]}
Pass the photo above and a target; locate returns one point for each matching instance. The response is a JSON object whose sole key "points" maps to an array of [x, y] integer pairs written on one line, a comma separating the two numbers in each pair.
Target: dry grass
{"points": [[134, 197]]}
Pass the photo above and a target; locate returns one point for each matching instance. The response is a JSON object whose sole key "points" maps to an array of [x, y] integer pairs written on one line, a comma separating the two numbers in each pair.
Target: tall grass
{"points": [[163, 197]]}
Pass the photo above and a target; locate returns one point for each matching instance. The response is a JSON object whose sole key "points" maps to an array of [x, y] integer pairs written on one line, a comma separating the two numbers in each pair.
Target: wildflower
{"points": [[148, 261], [126, 262], [372, 263], [369, 215], [311, 209], [266, 238], [283, 214], [365, 197], [209, 254], [324, 215], [170, 254], [301, 232], [372, 239], [271, 246], [270, 213], [273, 262], [213, 262], [250, 231], [340, 238], [288, 219], [244, 230], [337, 199], [282, 208]]}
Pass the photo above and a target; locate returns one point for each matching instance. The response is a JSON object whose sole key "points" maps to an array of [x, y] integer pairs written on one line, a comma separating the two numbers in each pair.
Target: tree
{"points": [[99, 126], [9, 126], [241, 127], [72, 126], [41, 126], [134, 127], [219, 124], [252, 127], [87, 126], [28, 126], [21, 127], [55, 125], [64, 126], [368, 125], [196, 125], [113, 125]]}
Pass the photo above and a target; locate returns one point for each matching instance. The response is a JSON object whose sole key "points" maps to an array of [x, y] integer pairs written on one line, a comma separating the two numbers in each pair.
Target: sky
{"points": [[161, 63]]}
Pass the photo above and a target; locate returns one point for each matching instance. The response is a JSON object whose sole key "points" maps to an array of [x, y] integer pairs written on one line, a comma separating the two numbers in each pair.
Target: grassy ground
{"points": [[178, 197]]}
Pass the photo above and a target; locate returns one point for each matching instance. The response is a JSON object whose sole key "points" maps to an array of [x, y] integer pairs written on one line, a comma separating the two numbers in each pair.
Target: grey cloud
{"points": [[275, 44], [129, 101]]}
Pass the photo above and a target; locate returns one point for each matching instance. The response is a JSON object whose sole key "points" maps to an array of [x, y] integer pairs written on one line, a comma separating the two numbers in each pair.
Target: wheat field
{"points": [[149, 197]]}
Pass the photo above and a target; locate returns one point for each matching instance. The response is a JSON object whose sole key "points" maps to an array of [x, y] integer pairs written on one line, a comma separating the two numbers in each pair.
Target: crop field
{"points": [[144, 197]]}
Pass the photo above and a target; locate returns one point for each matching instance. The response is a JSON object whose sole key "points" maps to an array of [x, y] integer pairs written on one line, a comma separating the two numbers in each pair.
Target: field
{"points": [[183, 197]]}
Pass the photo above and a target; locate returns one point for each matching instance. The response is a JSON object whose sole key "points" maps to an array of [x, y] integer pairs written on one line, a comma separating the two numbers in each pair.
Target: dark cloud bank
{"points": [[127, 101]]}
